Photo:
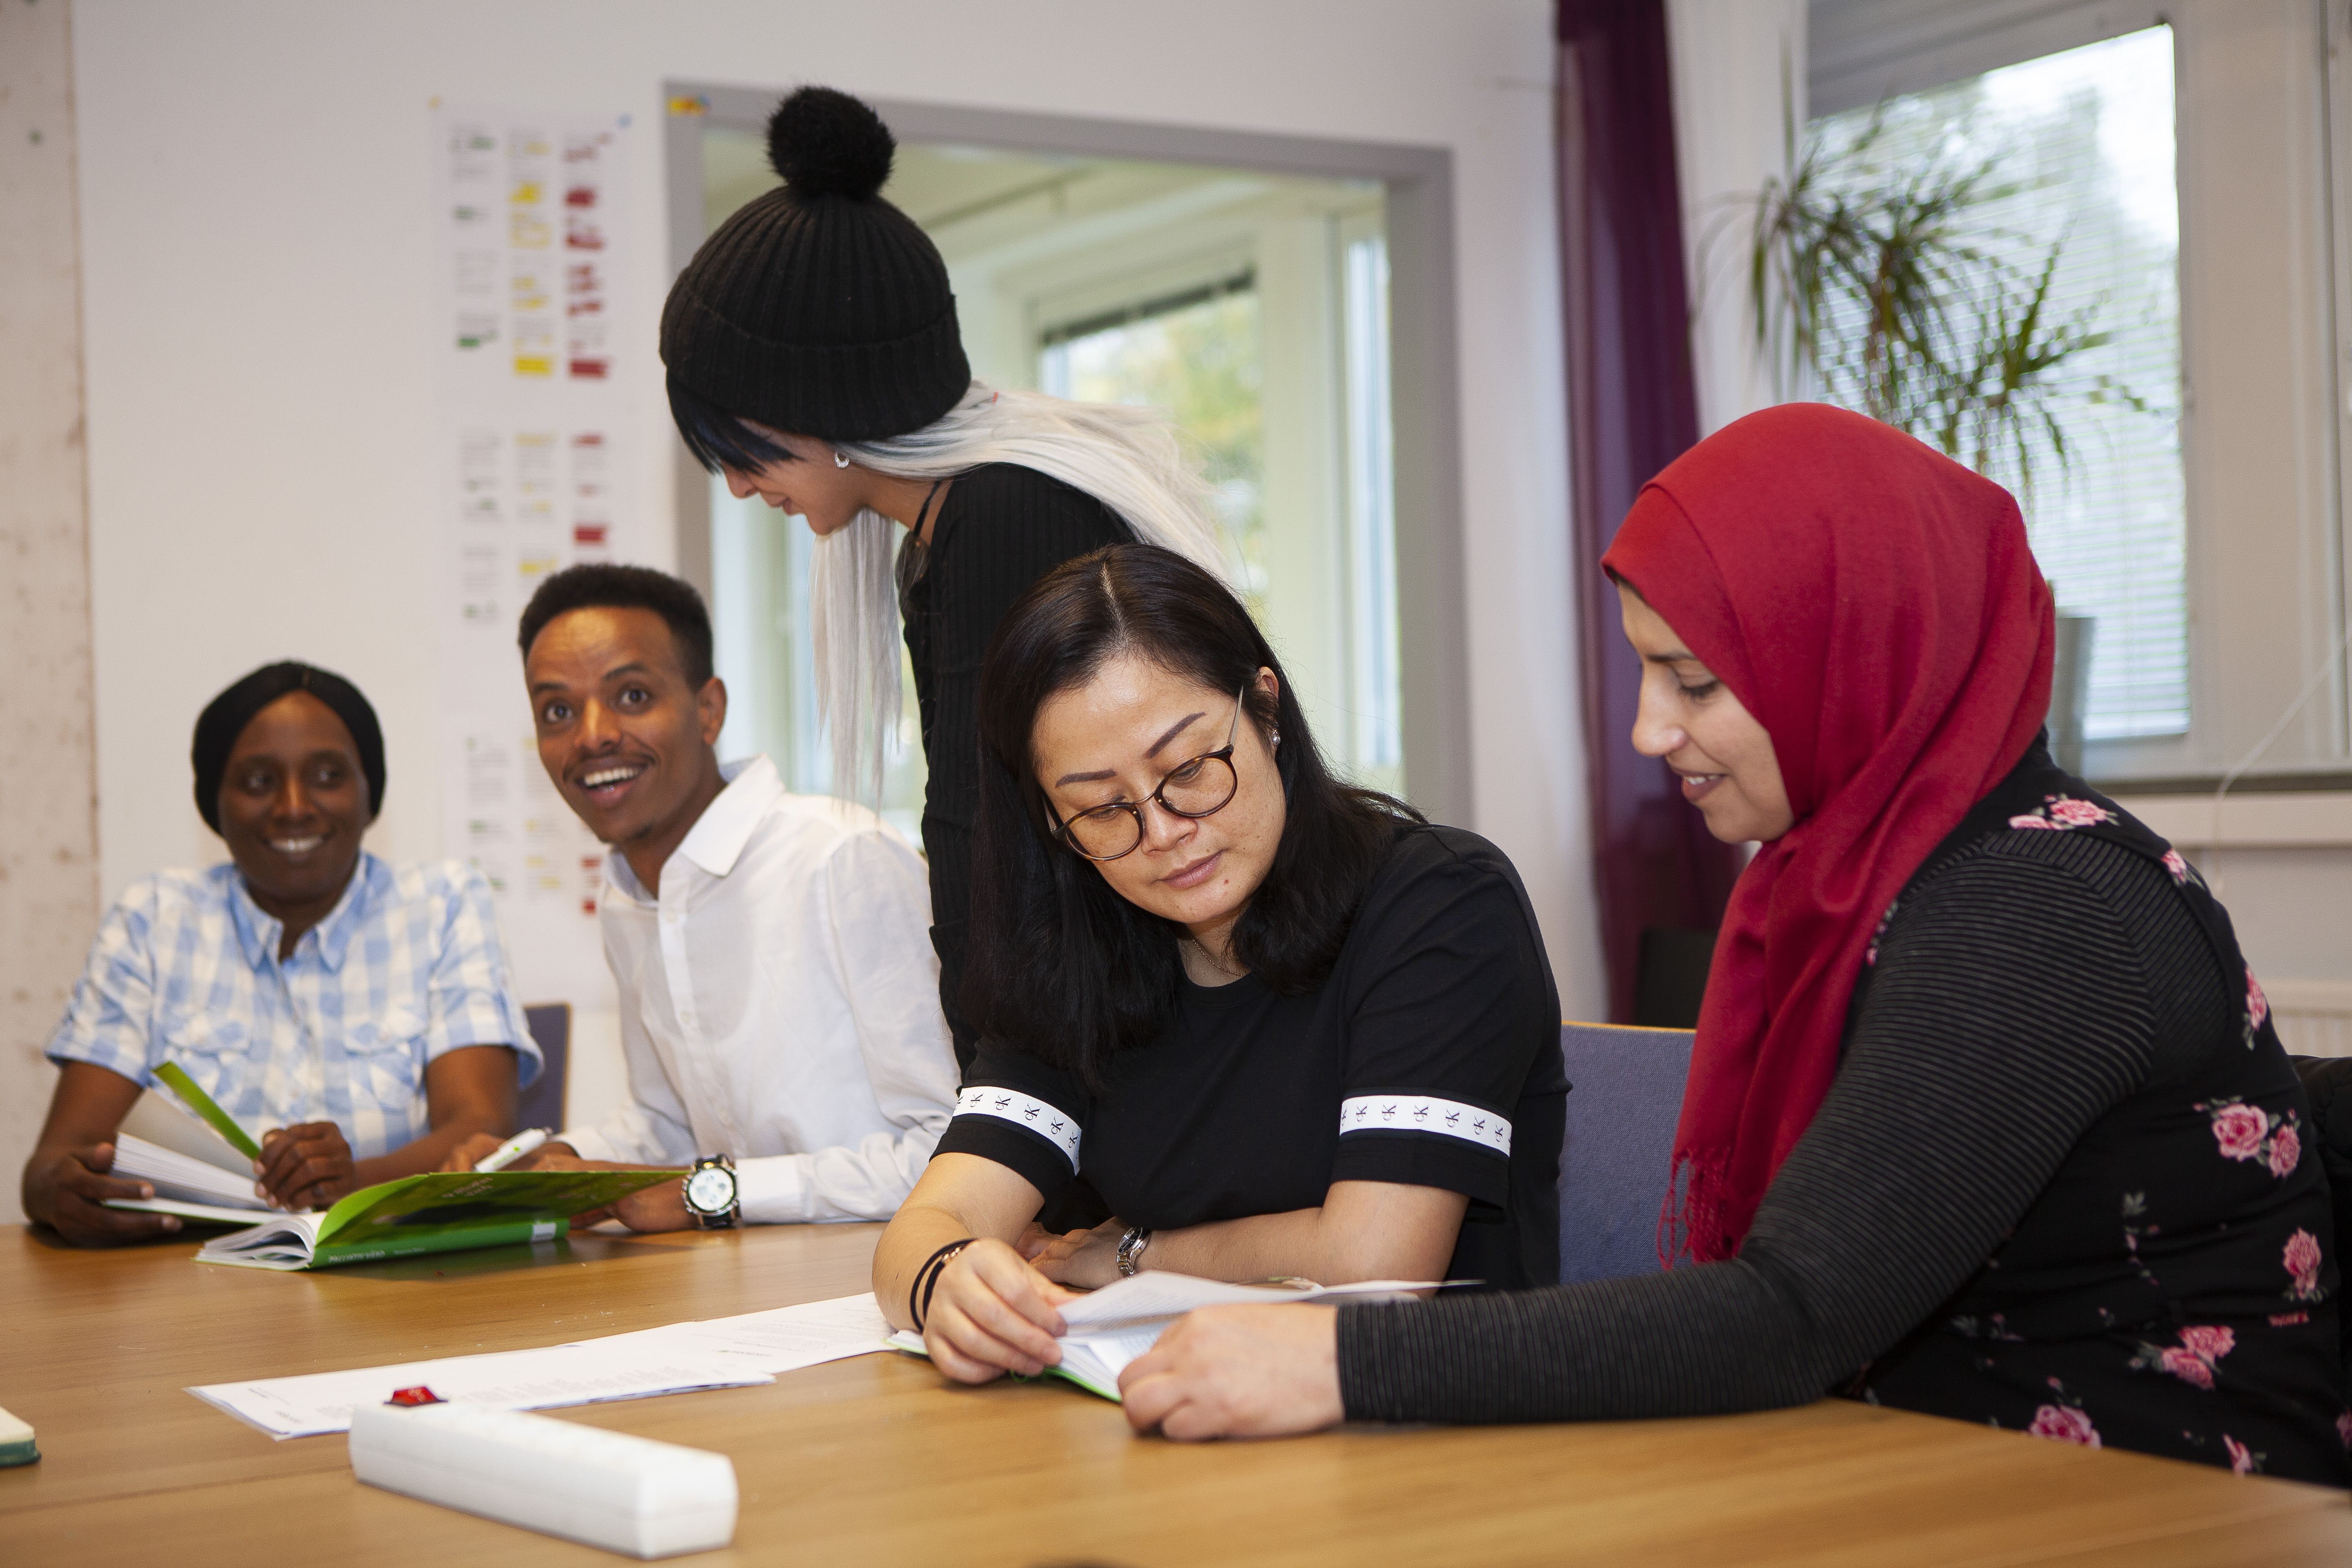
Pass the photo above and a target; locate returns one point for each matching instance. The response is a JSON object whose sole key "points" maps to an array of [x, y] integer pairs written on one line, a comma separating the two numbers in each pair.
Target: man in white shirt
{"points": [[778, 994]]}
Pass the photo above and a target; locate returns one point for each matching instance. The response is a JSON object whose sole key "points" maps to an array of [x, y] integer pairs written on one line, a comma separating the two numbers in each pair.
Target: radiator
{"points": [[2314, 1016]]}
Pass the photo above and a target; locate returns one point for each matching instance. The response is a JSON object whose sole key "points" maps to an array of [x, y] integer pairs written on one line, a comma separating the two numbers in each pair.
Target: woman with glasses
{"points": [[1281, 1025]]}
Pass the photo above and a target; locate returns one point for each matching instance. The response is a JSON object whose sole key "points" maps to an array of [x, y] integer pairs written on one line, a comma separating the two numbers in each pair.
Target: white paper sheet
{"points": [[1152, 1297], [322, 1402], [781, 1340]]}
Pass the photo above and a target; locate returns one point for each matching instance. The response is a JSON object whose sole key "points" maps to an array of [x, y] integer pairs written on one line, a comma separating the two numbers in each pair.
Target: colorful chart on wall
{"points": [[535, 475]]}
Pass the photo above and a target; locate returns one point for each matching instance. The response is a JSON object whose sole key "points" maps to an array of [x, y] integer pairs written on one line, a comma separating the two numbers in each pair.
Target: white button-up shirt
{"points": [[780, 1003]]}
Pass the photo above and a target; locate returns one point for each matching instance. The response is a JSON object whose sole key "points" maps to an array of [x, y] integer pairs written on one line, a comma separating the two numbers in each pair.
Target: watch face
{"points": [[710, 1190]]}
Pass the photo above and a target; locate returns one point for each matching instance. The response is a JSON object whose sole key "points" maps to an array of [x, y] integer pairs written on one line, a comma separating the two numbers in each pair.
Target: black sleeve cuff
{"points": [[1027, 1154], [1424, 1160]]}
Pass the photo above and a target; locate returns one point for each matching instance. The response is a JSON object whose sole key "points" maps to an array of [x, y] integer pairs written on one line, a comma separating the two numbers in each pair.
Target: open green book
{"points": [[441, 1212], [444, 1211]]}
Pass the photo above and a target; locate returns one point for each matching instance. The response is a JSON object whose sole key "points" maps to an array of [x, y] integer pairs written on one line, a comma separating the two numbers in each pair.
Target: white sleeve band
{"points": [[1425, 1113], [1056, 1127]]}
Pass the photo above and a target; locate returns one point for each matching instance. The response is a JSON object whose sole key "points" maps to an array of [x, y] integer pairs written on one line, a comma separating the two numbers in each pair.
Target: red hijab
{"points": [[1875, 605]]}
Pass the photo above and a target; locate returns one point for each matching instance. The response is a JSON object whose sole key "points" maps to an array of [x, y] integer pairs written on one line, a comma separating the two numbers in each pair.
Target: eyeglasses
{"points": [[1202, 787]]}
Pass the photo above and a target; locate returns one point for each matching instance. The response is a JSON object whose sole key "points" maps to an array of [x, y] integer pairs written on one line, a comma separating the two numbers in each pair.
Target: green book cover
{"points": [[442, 1212], [1079, 1369], [177, 1080]]}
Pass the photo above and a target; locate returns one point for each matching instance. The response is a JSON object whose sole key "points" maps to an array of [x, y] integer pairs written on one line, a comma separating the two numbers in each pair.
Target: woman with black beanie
{"points": [[814, 359], [358, 1016]]}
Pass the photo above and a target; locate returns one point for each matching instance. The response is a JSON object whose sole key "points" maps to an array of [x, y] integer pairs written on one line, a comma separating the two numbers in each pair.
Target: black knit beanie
{"points": [[225, 717], [819, 309]]}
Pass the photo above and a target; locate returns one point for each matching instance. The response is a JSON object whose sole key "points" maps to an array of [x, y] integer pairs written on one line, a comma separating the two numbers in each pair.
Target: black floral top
{"points": [[2168, 1291], [2066, 1184]]}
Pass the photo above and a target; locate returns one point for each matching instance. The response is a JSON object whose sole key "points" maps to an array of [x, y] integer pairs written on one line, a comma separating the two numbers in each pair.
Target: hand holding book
{"points": [[306, 1166]]}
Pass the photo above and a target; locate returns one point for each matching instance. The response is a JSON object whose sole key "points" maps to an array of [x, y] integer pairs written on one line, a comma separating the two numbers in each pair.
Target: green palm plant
{"points": [[1885, 282]]}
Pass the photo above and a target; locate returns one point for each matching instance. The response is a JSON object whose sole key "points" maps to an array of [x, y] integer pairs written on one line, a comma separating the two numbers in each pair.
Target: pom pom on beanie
{"points": [[827, 144]]}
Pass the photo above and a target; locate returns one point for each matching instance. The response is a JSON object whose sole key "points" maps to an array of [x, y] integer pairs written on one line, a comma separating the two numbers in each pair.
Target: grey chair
{"points": [[1617, 1151], [542, 1105]]}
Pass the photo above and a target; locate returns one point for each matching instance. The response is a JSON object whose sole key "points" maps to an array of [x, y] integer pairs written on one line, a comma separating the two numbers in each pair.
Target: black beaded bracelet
{"points": [[933, 1267]]}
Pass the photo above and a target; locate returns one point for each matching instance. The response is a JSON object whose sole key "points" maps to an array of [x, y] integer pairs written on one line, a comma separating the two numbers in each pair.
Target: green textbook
{"points": [[176, 1080], [442, 1212]]}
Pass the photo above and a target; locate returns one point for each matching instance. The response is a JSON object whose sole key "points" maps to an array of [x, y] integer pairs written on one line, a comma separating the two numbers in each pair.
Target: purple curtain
{"points": [[1632, 409]]}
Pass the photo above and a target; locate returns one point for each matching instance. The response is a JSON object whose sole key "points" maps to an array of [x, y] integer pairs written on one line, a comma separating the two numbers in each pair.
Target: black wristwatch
{"points": [[711, 1196]]}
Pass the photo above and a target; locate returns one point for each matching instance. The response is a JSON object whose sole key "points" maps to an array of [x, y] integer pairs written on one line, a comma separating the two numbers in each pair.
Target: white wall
{"points": [[258, 292], [1739, 100], [48, 850]]}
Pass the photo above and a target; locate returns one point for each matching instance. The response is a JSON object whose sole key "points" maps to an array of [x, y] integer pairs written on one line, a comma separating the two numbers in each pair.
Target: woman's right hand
{"points": [[67, 1193], [991, 1314]]}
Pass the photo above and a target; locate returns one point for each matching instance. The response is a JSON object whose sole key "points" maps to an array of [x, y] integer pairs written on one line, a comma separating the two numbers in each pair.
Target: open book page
{"points": [[1094, 1361], [175, 1175], [1143, 1298], [183, 1159], [1156, 1297], [161, 1121], [1106, 1328], [214, 1214], [286, 1241]]}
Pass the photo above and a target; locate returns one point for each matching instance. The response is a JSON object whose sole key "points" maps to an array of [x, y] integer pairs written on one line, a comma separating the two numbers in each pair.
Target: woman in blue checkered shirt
{"points": [[362, 1012]]}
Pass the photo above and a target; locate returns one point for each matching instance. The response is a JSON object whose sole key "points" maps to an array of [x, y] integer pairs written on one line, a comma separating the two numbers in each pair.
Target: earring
{"points": [[839, 461], [1276, 738]]}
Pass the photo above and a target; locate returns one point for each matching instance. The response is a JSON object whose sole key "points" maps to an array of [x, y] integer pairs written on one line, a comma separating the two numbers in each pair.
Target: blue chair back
{"points": [[1618, 1152], [542, 1105]]}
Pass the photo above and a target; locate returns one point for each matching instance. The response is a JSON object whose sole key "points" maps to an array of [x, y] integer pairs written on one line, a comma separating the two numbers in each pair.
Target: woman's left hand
{"points": [[1239, 1372], [305, 1166], [1082, 1259]]}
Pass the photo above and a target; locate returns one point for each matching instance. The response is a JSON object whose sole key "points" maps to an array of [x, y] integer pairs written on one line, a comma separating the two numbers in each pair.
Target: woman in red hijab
{"points": [[1986, 1117]]}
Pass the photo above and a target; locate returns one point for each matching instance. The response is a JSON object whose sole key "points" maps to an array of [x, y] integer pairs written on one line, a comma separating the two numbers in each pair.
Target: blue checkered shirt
{"points": [[407, 965]]}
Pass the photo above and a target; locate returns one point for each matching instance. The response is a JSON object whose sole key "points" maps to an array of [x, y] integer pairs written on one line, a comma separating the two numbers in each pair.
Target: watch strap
{"points": [[1130, 1250]]}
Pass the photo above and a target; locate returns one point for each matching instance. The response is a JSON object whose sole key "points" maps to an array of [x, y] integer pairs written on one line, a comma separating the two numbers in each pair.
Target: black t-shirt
{"points": [[1429, 1057]]}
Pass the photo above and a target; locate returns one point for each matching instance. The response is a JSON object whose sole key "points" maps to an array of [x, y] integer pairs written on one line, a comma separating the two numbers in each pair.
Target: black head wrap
{"points": [[225, 717]]}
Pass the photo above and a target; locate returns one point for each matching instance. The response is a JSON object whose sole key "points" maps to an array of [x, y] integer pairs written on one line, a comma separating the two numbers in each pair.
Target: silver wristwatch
{"points": [[711, 1193], [1130, 1250]]}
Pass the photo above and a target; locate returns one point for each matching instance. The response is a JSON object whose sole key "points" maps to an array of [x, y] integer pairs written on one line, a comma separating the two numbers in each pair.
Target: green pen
{"points": [[197, 1100]]}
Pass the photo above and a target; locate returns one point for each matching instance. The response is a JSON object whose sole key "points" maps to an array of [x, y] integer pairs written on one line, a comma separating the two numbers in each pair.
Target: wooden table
{"points": [[877, 1461]]}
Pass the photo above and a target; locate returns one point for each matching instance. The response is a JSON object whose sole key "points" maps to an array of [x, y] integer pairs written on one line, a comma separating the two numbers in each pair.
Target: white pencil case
{"points": [[625, 1494]]}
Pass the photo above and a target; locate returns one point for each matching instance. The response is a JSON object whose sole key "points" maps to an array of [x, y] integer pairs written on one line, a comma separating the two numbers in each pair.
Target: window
{"points": [[1196, 354], [2081, 150], [1376, 740]]}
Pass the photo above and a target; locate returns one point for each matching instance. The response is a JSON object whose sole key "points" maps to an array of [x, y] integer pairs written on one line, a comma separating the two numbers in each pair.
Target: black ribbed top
{"points": [[2022, 991], [999, 530]]}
